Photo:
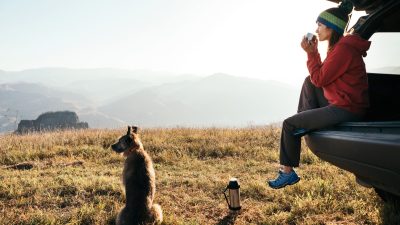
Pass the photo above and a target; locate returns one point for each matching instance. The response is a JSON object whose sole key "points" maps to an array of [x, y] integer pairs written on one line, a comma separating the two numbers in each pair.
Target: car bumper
{"points": [[370, 150]]}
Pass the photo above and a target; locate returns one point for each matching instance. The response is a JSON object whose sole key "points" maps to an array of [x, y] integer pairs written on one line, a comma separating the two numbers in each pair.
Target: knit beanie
{"points": [[336, 18]]}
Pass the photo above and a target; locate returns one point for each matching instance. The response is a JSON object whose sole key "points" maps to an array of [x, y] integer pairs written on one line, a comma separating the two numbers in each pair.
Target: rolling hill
{"points": [[217, 100]]}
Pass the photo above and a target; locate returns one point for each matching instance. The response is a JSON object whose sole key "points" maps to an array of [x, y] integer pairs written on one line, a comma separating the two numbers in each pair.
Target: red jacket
{"points": [[342, 75]]}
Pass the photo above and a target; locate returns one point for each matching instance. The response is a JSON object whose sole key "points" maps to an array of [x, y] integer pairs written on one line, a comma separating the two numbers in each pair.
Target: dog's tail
{"points": [[156, 214]]}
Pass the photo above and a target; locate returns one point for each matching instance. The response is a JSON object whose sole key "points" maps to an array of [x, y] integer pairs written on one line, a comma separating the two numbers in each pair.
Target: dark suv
{"points": [[370, 149]]}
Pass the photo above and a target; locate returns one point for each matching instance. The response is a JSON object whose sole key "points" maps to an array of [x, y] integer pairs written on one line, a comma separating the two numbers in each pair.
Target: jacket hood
{"points": [[356, 42]]}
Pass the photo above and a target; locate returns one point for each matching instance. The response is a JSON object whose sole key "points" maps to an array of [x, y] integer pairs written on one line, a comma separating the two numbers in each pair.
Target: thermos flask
{"points": [[233, 198]]}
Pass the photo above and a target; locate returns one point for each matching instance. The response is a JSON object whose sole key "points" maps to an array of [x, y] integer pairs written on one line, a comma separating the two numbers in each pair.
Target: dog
{"points": [[138, 178]]}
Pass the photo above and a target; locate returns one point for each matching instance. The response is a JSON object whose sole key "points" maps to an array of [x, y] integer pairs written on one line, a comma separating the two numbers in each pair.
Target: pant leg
{"points": [[312, 119], [311, 97]]}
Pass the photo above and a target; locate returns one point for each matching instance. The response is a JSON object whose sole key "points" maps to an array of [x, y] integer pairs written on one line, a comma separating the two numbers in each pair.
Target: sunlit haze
{"points": [[258, 38]]}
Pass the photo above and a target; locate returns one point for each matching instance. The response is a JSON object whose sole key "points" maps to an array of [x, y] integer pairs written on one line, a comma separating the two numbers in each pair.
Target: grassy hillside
{"points": [[74, 178]]}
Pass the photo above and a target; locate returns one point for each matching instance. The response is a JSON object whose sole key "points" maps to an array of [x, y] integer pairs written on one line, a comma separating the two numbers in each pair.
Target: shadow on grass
{"points": [[390, 212], [229, 219], [111, 221]]}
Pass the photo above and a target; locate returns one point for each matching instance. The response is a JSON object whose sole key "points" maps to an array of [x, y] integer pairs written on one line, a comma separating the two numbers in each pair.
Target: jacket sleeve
{"points": [[335, 65]]}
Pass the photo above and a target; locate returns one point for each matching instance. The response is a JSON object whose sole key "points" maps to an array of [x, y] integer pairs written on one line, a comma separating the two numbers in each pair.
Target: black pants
{"points": [[314, 112]]}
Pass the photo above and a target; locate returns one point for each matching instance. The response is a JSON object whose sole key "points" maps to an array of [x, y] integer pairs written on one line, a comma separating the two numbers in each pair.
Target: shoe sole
{"points": [[279, 187]]}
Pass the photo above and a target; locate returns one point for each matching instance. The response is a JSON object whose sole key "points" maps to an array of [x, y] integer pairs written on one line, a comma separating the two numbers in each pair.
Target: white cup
{"points": [[310, 36]]}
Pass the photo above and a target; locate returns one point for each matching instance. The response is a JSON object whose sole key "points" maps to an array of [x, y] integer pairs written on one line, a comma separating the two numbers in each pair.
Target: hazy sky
{"points": [[254, 38]]}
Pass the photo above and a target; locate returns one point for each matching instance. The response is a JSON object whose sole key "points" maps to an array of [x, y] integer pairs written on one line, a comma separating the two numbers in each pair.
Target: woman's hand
{"points": [[309, 46]]}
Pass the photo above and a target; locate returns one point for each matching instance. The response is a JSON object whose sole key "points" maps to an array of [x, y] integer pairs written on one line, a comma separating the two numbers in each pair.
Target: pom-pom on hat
{"points": [[336, 18]]}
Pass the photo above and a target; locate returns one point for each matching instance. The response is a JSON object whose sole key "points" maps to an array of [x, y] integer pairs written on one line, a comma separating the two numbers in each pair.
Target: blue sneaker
{"points": [[284, 179]]}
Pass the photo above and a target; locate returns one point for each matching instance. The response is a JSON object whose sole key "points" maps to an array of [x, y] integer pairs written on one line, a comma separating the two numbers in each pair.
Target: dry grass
{"points": [[73, 177]]}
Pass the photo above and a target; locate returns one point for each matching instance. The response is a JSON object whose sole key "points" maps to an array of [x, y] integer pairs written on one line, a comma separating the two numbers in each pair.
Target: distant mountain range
{"points": [[20, 100], [29, 100], [108, 98], [99, 85]]}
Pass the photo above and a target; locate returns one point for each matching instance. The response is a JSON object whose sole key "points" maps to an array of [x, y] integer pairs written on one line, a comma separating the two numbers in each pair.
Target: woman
{"points": [[336, 90]]}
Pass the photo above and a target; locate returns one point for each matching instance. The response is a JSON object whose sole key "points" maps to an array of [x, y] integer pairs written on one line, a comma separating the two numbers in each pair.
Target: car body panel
{"points": [[385, 18], [364, 4]]}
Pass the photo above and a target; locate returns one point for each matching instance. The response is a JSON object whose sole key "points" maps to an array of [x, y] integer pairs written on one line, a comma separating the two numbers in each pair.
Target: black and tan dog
{"points": [[139, 180]]}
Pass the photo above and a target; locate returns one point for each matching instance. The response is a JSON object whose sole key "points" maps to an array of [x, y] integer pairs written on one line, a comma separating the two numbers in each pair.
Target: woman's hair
{"points": [[335, 37], [336, 19]]}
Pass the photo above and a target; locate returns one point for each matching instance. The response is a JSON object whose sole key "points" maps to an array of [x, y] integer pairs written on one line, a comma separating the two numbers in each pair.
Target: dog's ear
{"points": [[129, 131], [135, 129]]}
